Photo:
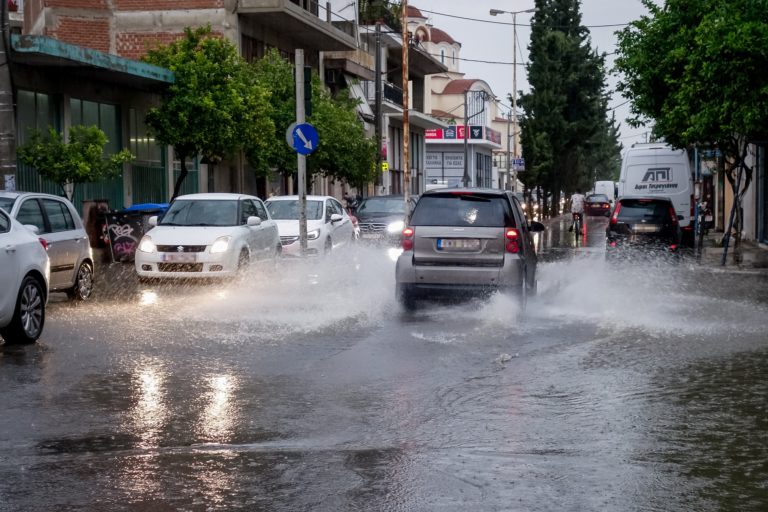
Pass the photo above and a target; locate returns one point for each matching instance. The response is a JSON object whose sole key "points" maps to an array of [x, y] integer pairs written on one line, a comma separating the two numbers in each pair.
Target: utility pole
{"points": [[7, 114], [377, 103], [302, 159], [509, 158], [406, 122], [465, 179], [514, 98]]}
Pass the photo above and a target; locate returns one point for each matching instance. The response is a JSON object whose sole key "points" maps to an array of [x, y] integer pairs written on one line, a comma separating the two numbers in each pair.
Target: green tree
{"points": [[215, 106], [565, 131], [79, 160], [696, 69], [344, 151]]}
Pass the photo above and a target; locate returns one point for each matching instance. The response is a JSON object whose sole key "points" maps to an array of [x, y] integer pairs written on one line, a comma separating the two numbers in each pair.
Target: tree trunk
{"points": [[180, 179]]}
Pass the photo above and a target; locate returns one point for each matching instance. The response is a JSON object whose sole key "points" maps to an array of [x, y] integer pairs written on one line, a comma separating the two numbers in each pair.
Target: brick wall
{"points": [[156, 5], [77, 4], [134, 45], [90, 33]]}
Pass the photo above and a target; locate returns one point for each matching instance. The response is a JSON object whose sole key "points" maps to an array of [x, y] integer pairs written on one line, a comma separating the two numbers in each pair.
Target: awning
{"points": [[42, 51], [416, 118]]}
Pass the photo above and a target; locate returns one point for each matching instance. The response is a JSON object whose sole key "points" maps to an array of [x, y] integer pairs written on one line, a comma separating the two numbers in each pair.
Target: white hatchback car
{"points": [[59, 224], [329, 226], [23, 281], [207, 235]]}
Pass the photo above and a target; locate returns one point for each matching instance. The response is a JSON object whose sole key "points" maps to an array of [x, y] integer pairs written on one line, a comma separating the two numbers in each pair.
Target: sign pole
{"points": [[406, 121], [301, 159]]}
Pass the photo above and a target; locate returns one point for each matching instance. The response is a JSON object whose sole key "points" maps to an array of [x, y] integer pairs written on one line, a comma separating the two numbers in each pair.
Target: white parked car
{"points": [[207, 235], [58, 223], [24, 282], [328, 224]]}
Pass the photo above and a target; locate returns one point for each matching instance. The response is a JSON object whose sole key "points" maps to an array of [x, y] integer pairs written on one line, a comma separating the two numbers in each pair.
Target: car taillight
{"points": [[673, 247], [612, 243], [693, 207], [513, 240], [615, 216], [673, 214], [43, 243], [408, 234]]}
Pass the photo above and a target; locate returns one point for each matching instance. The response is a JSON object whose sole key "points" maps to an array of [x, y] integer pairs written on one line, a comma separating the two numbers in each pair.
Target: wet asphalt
{"points": [[629, 387]]}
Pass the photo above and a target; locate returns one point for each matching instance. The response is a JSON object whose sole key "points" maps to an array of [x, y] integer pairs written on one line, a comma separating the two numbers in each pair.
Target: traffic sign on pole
{"points": [[302, 137]]}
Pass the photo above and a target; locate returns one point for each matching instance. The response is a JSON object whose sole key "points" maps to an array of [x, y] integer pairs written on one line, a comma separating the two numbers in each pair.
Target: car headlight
{"points": [[396, 227], [313, 235], [221, 244], [147, 245]]}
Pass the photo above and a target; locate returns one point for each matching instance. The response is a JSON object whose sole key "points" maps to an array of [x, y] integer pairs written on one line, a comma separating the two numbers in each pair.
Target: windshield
{"points": [[201, 212], [6, 203], [598, 198], [382, 205], [637, 210], [467, 210], [289, 209]]}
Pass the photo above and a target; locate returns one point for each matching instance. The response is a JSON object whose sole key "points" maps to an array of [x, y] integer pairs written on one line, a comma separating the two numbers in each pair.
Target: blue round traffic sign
{"points": [[303, 138]]}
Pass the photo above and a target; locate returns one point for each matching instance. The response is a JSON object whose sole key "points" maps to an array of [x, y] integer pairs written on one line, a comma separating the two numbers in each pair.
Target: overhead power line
{"points": [[611, 25], [479, 60]]}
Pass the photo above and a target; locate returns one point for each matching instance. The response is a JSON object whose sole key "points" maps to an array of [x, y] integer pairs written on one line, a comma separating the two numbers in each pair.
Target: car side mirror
{"points": [[536, 226], [336, 217], [152, 221], [253, 221], [32, 228]]}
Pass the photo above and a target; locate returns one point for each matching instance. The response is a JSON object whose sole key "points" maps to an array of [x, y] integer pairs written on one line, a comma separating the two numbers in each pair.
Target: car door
{"points": [[341, 230], [9, 277], [62, 225], [269, 236], [30, 212], [251, 233]]}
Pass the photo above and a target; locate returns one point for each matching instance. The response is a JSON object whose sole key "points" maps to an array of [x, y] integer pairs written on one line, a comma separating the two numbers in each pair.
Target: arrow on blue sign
{"points": [[302, 138]]}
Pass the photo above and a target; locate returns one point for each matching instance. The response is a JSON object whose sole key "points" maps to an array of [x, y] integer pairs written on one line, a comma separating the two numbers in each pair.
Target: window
{"points": [[35, 111], [103, 115], [30, 213], [442, 56], [247, 209], [453, 57], [5, 223], [261, 211], [467, 210], [140, 143], [59, 216]]}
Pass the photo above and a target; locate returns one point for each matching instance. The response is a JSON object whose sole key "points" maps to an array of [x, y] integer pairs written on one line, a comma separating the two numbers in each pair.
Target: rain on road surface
{"points": [[629, 388]]}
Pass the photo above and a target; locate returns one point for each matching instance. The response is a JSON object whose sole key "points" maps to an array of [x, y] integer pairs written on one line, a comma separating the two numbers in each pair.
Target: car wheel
{"points": [[523, 293], [83, 283], [29, 315], [405, 297]]}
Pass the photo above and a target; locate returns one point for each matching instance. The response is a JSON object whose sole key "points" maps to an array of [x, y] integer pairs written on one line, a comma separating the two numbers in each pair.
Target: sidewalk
{"points": [[753, 255]]}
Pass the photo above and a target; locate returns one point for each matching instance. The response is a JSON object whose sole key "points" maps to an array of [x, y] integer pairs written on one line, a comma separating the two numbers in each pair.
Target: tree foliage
{"points": [[386, 11], [215, 107], [566, 135], [697, 70], [344, 151], [79, 160]]}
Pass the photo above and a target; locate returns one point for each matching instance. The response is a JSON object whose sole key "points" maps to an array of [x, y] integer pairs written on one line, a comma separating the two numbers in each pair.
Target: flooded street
{"points": [[626, 388]]}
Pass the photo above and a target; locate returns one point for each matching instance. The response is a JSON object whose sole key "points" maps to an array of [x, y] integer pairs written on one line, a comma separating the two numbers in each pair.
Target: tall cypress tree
{"points": [[565, 123]]}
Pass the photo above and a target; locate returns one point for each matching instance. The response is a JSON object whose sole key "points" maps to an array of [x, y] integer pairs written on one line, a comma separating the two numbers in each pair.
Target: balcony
{"points": [[304, 24], [391, 95]]}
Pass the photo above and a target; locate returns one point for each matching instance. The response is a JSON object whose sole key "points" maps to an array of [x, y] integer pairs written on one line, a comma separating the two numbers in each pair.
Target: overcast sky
{"points": [[493, 42]]}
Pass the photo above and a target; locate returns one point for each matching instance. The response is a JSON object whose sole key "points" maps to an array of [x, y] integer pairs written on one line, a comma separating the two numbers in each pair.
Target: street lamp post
{"points": [[514, 14]]}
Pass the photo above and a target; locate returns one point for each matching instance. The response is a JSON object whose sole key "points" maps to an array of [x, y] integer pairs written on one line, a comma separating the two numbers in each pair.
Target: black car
{"points": [[382, 218], [643, 228]]}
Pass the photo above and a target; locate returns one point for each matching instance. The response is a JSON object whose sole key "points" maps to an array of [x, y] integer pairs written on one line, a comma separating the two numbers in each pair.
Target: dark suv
{"points": [[382, 218], [643, 228], [466, 241]]}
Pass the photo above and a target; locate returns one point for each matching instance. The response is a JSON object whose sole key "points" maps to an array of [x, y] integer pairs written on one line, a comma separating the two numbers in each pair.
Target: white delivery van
{"points": [[658, 169], [607, 188]]}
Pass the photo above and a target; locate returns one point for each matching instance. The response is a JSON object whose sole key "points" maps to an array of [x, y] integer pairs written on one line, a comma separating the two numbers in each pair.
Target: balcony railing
{"points": [[389, 92]]}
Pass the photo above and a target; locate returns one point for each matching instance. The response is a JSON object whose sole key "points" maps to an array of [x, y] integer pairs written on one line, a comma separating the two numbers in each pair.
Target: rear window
{"points": [[598, 198], [635, 210], [6, 203], [466, 210]]}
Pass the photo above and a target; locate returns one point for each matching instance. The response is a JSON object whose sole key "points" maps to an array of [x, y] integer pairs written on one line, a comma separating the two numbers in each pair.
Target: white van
{"points": [[607, 188], [658, 169]]}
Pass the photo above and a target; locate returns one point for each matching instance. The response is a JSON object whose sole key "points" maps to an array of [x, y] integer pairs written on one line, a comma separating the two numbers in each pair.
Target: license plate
{"points": [[458, 244], [181, 257], [645, 228], [371, 236]]}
